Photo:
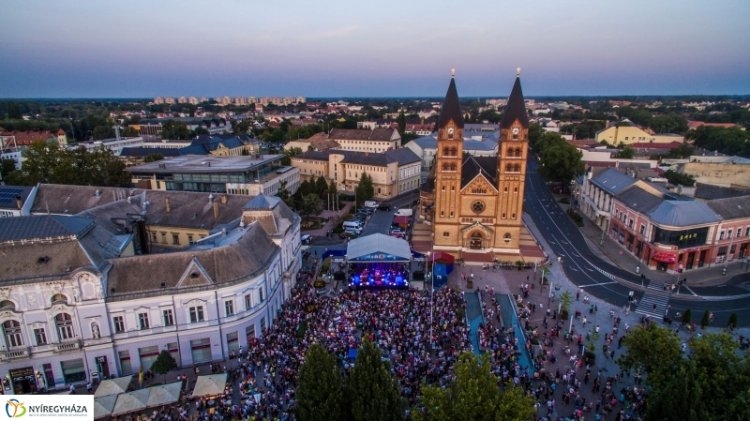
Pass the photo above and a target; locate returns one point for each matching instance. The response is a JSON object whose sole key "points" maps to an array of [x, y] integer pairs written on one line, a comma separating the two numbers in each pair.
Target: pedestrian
{"points": [[72, 389], [88, 387]]}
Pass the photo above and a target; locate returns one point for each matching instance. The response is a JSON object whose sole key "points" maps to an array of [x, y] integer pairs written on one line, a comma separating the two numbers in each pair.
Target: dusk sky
{"points": [[384, 48]]}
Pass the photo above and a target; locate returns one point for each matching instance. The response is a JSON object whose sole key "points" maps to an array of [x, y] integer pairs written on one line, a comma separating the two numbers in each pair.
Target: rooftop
{"points": [[204, 164]]}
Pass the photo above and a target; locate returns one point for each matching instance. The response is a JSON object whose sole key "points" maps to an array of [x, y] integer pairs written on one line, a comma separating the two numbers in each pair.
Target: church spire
{"points": [[516, 108], [451, 109]]}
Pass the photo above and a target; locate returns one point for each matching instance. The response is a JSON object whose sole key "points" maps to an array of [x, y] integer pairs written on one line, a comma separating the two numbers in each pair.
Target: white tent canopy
{"points": [[378, 247], [210, 385], [163, 394], [131, 402], [113, 386], [104, 405]]}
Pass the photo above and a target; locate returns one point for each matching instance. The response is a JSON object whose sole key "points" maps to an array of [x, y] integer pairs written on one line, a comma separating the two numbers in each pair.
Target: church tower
{"points": [[511, 169], [447, 200]]}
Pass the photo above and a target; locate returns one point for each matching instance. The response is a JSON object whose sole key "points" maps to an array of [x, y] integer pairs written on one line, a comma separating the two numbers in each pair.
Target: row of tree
{"points": [[369, 391], [707, 380], [48, 163]]}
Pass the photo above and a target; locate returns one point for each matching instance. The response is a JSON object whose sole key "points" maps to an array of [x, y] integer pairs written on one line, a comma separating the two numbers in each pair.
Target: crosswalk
{"points": [[654, 302]]}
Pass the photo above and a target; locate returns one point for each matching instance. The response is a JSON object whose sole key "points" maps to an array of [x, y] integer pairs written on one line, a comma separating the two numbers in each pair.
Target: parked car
{"points": [[384, 208], [306, 239]]}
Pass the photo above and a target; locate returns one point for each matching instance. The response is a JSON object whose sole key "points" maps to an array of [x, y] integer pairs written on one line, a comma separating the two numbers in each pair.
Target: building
{"points": [[394, 172], [77, 301], [598, 192], [245, 175], [475, 203], [363, 140], [14, 200], [626, 132]]}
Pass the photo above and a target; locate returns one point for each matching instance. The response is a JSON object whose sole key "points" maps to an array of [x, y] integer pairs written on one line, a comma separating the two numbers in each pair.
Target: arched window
{"points": [[518, 152], [59, 299], [506, 237], [475, 241], [508, 167], [64, 324], [7, 305], [12, 333], [453, 167], [454, 151], [517, 167]]}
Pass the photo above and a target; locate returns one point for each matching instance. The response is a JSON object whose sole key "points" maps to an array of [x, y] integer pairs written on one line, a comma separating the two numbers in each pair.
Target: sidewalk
{"points": [[608, 249]]}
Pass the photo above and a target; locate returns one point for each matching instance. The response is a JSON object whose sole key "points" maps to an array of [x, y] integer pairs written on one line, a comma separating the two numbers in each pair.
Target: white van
{"points": [[404, 212], [351, 224]]}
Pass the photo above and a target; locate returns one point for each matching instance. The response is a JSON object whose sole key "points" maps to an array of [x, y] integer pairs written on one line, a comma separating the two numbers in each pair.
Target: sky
{"points": [[383, 48]]}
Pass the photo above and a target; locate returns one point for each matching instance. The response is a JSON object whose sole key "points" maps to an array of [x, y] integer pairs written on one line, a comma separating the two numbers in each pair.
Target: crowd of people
{"points": [[420, 339]]}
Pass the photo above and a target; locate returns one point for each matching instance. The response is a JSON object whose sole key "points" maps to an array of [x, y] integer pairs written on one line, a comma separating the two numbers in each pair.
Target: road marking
{"points": [[691, 291], [595, 285]]}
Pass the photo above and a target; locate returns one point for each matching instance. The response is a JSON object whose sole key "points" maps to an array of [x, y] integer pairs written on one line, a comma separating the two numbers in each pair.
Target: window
{"points": [[721, 235], [261, 294], [190, 239], [168, 317], [229, 307], [95, 333], [119, 324], [196, 314], [642, 229], [40, 336], [12, 333], [64, 324], [446, 234], [729, 234], [175, 239], [506, 237], [248, 302], [143, 321]]}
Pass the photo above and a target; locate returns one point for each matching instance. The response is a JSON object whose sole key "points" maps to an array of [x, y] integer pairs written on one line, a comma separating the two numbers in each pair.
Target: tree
{"points": [[732, 323], [283, 193], [626, 152], [706, 319], [401, 120], [372, 390], [321, 187], [651, 349], [163, 364], [153, 157], [310, 205], [364, 190], [320, 391], [710, 382], [677, 178], [474, 395], [560, 160], [175, 130], [565, 300]]}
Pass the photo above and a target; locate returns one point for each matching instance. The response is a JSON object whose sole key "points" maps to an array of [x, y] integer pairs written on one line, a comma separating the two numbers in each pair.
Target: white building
{"points": [[76, 303]]}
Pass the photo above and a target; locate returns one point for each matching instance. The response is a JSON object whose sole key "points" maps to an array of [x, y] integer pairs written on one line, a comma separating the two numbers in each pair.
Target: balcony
{"points": [[67, 346], [15, 353]]}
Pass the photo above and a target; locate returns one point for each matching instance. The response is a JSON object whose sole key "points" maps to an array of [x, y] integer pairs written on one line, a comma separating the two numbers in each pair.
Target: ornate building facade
{"points": [[475, 203]]}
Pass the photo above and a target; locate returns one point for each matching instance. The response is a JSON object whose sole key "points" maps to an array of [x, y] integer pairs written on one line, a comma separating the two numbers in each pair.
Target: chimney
{"points": [[167, 205], [216, 210], [224, 199]]}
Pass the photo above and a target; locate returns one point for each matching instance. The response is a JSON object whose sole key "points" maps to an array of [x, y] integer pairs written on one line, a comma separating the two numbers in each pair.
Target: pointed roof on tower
{"points": [[516, 108], [451, 109]]}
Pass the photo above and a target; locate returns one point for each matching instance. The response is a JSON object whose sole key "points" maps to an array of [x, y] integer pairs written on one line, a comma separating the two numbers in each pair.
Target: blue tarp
{"points": [[352, 354]]}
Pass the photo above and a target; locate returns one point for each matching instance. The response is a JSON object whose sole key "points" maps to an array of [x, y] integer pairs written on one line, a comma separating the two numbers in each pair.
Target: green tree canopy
{"points": [[365, 189], [372, 390], [163, 364], [730, 141], [320, 391], [560, 160], [474, 395], [709, 382], [175, 130], [47, 163]]}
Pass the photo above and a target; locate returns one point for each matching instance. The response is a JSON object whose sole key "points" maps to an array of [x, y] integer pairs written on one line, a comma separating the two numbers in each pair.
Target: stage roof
{"points": [[378, 247]]}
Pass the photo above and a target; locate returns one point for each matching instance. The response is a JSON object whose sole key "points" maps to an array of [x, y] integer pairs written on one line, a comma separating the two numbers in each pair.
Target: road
{"points": [[613, 284]]}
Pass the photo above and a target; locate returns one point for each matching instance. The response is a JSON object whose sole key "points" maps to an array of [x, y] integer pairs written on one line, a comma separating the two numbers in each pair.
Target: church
{"points": [[474, 204]]}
